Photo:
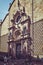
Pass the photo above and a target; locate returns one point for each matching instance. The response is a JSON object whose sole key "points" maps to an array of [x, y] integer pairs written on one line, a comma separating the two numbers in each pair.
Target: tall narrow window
{"points": [[24, 30]]}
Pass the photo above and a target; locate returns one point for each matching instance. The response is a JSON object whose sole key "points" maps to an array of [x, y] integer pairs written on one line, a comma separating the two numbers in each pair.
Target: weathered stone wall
{"points": [[38, 37], [5, 25], [4, 34], [4, 44]]}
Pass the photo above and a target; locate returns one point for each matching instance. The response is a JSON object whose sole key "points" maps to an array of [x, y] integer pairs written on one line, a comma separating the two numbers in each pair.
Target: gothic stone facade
{"points": [[37, 46]]}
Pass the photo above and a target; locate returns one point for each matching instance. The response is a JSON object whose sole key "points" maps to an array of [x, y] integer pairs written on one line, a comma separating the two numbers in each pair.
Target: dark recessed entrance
{"points": [[18, 50]]}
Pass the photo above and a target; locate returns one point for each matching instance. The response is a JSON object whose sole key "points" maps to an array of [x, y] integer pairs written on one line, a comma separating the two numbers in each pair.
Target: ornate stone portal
{"points": [[19, 36]]}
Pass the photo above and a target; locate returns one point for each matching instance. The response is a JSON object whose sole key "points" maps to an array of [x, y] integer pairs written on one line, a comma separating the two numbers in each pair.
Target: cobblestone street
{"points": [[21, 62]]}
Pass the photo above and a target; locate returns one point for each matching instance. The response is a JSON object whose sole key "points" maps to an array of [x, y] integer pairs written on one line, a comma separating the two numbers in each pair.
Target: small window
{"points": [[24, 30], [18, 18]]}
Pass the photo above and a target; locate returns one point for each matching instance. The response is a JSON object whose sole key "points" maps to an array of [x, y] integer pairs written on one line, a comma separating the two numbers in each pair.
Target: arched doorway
{"points": [[18, 50]]}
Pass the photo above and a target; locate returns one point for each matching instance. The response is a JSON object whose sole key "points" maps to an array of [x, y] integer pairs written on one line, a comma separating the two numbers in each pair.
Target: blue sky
{"points": [[4, 5]]}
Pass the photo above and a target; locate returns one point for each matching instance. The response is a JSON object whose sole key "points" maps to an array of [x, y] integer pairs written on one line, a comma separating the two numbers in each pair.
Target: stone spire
{"points": [[18, 4]]}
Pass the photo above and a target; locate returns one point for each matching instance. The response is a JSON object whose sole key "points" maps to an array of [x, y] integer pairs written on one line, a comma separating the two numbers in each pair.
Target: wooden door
{"points": [[18, 50]]}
